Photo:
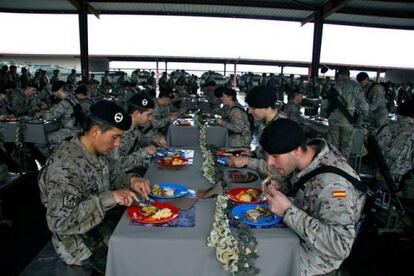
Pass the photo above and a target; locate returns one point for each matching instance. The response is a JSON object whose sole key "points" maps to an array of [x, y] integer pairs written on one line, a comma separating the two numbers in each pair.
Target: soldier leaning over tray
{"points": [[135, 146], [237, 120], [80, 189], [24, 101], [68, 111], [326, 207], [262, 105], [162, 116]]}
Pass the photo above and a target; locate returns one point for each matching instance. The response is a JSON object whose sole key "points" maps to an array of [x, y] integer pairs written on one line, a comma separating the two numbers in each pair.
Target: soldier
{"points": [[14, 77], [237, 120], [5, 77], [163, 82], [213, 101], [162, 116], [23, 101], [135, 148], [397, 143], [340, 128], [25, 77], [326, 206], [6, 110], [79, 188], [71, 79], [55, 77], [375, 95], [292, 108], [262, 106], [65, 112]]}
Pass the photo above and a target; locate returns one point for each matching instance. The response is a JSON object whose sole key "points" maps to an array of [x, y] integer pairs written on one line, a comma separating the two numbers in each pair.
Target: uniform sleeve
{"points": [[159, 120], [67, 211], [19, 106], [236, 122], [378, 98], [128, 161], [117, 177], [333, 233], [361, 103], [56, 112]]}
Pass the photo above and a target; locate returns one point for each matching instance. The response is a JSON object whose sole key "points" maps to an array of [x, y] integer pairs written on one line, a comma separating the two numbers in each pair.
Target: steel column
{"points": [[317, 43], [83, 34]]}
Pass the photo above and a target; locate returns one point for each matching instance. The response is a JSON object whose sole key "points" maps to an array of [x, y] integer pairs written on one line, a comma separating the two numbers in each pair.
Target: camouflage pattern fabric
{"points": [[22, 104], [292, 111], [160, 117], [378, 111], [238, 125], [324, 214], [76, 189]]}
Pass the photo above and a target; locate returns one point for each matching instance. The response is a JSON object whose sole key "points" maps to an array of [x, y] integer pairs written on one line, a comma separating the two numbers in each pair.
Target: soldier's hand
{"points": [[273, 183], [173, 117], [246, 152], [278, 202], [238, 162], [161, 142], [124, 197], [219, 121], [140, 185], [151, 150]]}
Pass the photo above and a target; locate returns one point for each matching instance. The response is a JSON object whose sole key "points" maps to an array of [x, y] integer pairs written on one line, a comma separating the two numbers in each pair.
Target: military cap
{"points": [[58, 85], [261, 97], [165, 93], [406, 109], [210, 83], [141, 100], [361, 76], [110, 113], [81, 89], [218, 92], [282, 136], [230, 92]]}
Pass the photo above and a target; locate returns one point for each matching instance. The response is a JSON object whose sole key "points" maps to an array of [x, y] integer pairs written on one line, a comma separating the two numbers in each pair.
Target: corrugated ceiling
{"points": [[397, 14]]}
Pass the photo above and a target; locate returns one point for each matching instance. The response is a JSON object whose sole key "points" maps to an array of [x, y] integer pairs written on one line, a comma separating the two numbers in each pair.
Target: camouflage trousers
{"points": [[97, 239], [341, 138]]}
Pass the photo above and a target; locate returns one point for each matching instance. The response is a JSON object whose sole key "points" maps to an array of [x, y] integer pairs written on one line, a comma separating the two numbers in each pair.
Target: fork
{"points": [[266, 183]]}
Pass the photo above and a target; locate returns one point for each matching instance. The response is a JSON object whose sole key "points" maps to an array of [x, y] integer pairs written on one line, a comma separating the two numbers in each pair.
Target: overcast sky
{"points": [[205, 37]]}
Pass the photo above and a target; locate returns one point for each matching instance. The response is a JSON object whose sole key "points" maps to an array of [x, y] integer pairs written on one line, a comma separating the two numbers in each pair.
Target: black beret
{"points": [[210, 83], [141, 100], [57, 85], [406, 109], [81, 89], [261, 97], [361, 76], [282, 136], [230, 92], [110, 113], [165, 92], [218, 92]]}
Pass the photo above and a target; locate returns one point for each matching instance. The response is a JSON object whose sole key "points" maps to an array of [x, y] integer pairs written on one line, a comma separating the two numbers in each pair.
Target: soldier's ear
{"points": [[95, 131]]}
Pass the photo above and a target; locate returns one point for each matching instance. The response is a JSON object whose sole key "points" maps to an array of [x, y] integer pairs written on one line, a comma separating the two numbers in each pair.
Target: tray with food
{"points": [[183, 123], [154, 213], [255, 214], [244, 195], [172, 162], [230, 152], [170, 152], [168, 190], [237, 176]]}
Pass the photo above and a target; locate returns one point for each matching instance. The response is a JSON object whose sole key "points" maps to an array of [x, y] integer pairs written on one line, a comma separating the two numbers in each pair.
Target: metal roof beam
{"points": [[379, 13], [326, 10], [81, 4]]}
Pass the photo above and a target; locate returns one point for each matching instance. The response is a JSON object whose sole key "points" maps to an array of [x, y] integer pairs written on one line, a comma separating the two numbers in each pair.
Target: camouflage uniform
{"points": [[397, 143], [259, 163], [76, 188], [238, 125], [131, 154], [378, 111], [324, 221], [63, 111], [292, 111], [340, 130], [213, 101], [161, 117], [22, 104]]}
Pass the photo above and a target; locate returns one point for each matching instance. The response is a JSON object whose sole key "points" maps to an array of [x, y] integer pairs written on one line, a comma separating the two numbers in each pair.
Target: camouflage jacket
{"points": [[213, 101], [238, 126], [355, 102], [22, 104], [397, 143], [131, 153], [160, 116], [378, 111], [76, 189], [259, 163], [292, 111], [324, 214]]}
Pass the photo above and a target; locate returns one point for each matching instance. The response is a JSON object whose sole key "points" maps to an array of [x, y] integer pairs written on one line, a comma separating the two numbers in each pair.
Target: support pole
{"points": [[83, 34], [317, 43]]}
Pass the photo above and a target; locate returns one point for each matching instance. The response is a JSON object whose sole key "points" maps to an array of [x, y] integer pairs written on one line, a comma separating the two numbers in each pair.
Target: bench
{"points": [[47, 262]]}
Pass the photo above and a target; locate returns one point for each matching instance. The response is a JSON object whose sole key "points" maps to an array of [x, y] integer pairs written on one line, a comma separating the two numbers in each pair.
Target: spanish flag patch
{"points": [[339, 194]]}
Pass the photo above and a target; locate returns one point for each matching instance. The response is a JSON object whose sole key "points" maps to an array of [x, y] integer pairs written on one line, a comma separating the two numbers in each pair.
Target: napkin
{"points": [[210, 192], [184, 203]]}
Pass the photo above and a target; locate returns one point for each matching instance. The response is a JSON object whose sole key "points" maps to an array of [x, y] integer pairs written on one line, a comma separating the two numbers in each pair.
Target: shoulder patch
{"points": [[70, 201], [339, 194]]}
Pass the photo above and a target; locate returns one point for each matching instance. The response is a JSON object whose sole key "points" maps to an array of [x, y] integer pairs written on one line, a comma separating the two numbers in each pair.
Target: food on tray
{"points": [[255, 214], [172, 161], [173, 153], [176, 162], [158, 191], [247, 195], [163, 213], [149, 210]]}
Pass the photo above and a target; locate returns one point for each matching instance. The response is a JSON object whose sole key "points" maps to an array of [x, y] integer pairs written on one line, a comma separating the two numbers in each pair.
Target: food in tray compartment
{"points": [[173, 153], [149, 210], [256, 213], [158, 191], [176, 162], [247, 195], [162, 213]]}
